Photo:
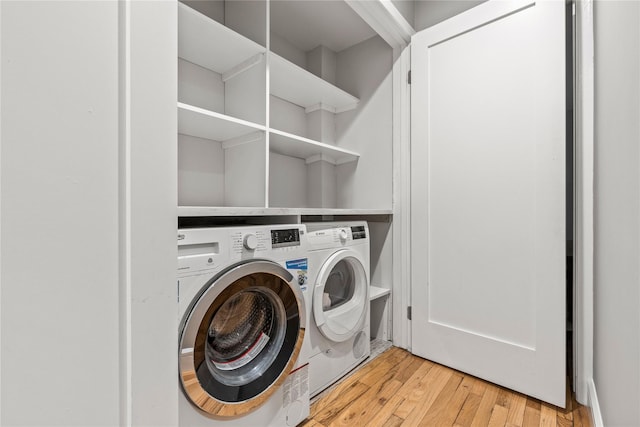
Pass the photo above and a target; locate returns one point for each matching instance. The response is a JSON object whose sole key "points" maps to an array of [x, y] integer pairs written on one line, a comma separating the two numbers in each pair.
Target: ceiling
{"points": [[308, 23]]}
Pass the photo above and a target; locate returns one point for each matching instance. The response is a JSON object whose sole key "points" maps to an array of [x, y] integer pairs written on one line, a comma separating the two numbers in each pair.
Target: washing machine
{"points": [[337, 300], [242, 327]]}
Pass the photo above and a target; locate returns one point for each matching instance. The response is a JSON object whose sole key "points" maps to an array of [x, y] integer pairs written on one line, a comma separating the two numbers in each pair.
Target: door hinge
{"points": [[409, 77], [409, 312]]}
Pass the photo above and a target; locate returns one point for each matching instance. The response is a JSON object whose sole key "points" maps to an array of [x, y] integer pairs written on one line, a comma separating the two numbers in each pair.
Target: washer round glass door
{"points": [[341, 296], [241, 338]]}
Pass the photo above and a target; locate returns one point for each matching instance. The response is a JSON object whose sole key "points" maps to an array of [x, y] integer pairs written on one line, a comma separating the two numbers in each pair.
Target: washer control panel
{"points": [[202, 249], [285, 238]]}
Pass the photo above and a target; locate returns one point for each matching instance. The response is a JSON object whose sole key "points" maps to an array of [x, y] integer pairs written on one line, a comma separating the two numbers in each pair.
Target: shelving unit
{"points": [[380, 301], [376, 292], [209, 44], [298, 86], [292, 145], [219, 70], [201, 123], [203, 211], [270, 130]]}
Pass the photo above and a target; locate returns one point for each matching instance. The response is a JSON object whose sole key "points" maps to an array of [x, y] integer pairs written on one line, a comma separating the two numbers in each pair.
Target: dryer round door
{"points": [[241, 338], [341, 296]]}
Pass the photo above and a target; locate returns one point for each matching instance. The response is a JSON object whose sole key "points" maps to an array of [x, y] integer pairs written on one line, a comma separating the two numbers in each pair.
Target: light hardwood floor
{"points": [[400, 389]]}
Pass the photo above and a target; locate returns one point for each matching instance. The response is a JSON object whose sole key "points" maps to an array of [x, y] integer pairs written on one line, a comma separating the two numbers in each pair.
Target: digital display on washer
{"points": [[358, 232], [283, 238]]}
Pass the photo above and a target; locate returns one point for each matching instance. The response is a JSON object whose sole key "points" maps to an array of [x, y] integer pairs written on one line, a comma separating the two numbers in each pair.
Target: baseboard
{"points": [[593, 404]]}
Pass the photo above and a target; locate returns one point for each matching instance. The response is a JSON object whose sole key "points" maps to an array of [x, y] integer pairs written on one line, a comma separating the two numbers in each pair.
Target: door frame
{"points": [[584, 207], [583, 204]]}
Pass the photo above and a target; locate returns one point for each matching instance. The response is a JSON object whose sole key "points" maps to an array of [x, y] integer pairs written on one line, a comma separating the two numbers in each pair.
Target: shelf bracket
{"points": [[242, 67], [320, 157], [244, 139]]}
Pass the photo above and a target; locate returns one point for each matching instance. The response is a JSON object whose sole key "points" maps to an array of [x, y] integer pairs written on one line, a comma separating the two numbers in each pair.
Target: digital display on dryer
{"points": [[358, 232], [284, 238]]}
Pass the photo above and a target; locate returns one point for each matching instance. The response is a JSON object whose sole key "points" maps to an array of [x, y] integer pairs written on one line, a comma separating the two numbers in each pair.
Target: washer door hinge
{"points": [[409, 77], [409, 312]]}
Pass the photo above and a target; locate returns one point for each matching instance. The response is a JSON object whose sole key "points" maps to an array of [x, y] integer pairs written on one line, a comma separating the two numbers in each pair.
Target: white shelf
{"points": [[211, 45], [201, 123], [299, 86], [376, 292], [191, 211], [296, 146]]}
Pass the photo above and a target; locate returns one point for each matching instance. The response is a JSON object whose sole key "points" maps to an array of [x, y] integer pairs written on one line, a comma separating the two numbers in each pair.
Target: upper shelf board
{"points": [[307, 24], [201, 123], [304, 148], [301, 87], [211, 45]]}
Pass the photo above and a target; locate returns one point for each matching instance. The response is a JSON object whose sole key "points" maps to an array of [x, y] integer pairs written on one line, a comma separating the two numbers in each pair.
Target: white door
{"points": [[488, 195]]}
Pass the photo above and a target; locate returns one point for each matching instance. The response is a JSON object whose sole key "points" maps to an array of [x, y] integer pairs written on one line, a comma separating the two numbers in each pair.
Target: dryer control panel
{"points": [[331, 234], [358, 232]]}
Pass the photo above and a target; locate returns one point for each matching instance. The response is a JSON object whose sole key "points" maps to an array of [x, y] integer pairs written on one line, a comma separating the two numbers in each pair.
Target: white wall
{"points": [[287, 50], [617, 212], [59, 214], [88, 213], [200, 172], [406, 8], [284, 190], [148, 209], [364, 70], [213, 9]]}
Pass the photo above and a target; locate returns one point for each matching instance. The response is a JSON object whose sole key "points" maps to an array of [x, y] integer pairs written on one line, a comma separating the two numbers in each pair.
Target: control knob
{"points": [[250, 242], [343, 235]]}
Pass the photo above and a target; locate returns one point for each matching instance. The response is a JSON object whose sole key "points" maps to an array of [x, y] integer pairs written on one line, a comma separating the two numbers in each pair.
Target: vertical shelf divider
{"points": [[267, 97]]}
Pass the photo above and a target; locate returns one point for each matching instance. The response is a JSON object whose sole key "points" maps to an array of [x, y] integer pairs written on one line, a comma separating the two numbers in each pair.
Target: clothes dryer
{"points": [[338, 303], [242, 326]]}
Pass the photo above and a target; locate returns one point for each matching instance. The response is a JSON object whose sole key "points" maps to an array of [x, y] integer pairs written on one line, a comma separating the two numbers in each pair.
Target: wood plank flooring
{"points": [[400, 389]]}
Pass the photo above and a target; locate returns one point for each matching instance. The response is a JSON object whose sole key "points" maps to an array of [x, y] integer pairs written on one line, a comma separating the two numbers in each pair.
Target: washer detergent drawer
{"points": [[198, 257]]}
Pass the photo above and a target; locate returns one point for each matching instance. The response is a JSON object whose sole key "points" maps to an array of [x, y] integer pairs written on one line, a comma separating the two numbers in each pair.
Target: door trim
{"points": [[401, 289], [583, 199], [386, 21]]}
